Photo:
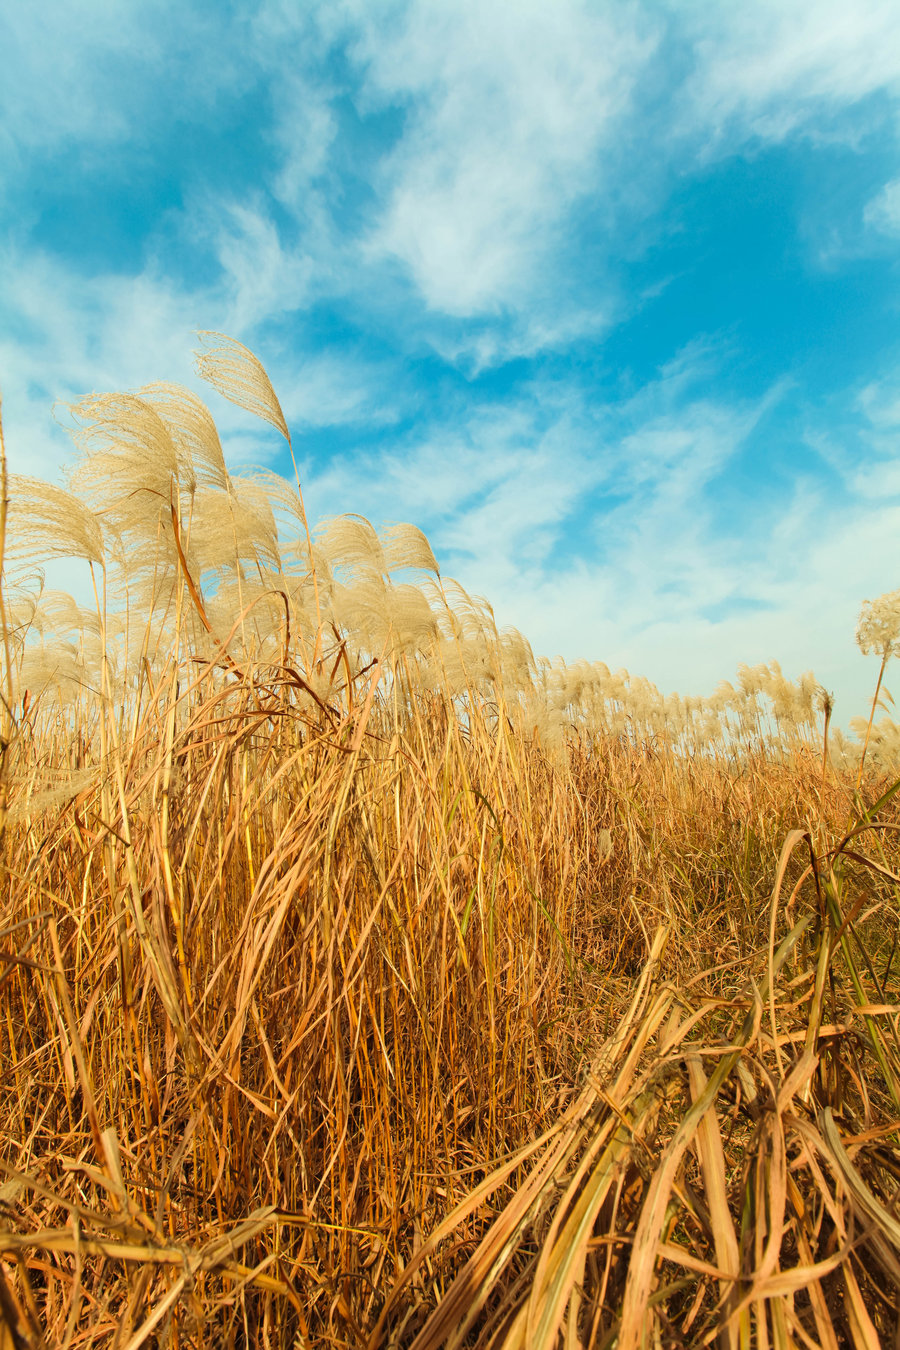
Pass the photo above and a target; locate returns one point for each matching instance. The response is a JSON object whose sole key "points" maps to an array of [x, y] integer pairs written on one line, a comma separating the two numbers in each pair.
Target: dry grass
{"points": [[337, 1009]]}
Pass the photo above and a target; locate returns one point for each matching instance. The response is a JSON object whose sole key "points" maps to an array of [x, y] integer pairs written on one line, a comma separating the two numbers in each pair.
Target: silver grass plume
{"points": [[240, 377], [394, 619], [46, 521], [879, 624], [516, 661], [127, 449], [471, 615], [405, 546], [22, 617], [254, 605], [54, 613], [751, 679], [58, 611], [50, 791], [845, 754], [809, 693], [883, 740], [413, 622], [193, 431], [251, 493], [141, 479], [58, 666], [350, 541], [459, 666], [285, 500], [234, 525], [723, 698]]}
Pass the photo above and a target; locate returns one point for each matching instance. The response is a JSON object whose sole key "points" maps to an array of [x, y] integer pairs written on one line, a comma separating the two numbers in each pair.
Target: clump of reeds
{"points": [[366, 982]]}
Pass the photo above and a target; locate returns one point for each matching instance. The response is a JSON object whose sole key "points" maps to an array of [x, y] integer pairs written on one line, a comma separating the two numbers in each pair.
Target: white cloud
{"points": [[437, 477], [880, 402], [335, 389], [96, 73], [510, 121], [262, 279], [50, 92], [646, 607], [505, 114], [537, 329], [871, 467], [506, 124], [768, 68], [883, 211], [877, 481]]}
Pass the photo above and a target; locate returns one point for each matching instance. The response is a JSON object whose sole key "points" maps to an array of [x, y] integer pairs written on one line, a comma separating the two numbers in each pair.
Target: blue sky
{"points": [[603, 297]]}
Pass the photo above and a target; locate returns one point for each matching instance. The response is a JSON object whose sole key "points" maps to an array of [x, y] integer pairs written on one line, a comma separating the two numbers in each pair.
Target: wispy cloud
{"points": [[883, 211], [774, 68], [506, 121], [502, 119], [84, 78]]}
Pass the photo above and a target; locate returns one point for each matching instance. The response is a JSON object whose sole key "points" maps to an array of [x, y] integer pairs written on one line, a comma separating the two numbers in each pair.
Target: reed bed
{"points": [[365, 982]]}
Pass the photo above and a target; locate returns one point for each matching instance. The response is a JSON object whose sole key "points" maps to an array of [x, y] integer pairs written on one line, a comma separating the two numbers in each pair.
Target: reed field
{"points": [[366, 981]]}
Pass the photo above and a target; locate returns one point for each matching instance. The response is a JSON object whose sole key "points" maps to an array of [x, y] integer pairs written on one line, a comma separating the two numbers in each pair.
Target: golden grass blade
{"points": [[643, 1257], [824, 1325], [862, 1328], [468, 1206], [65, 1240], [158, 1313], [869, 1203], [466, 1296], [565, 1261], [712, 1161], [671, 1251]]}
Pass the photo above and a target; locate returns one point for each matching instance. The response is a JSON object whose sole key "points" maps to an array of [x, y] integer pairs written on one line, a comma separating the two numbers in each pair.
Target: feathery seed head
{"points": [[825, 700], [192, 429], [58, 612], [126, 448], [351, 541], [240, 377], [283, 497], [750, 679], [259, 528], [406, 546], [45, 521], [879, 624], [55, 664]]}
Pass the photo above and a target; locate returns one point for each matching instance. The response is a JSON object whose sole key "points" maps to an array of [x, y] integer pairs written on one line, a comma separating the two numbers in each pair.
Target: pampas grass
{"points": [[365, 981]]}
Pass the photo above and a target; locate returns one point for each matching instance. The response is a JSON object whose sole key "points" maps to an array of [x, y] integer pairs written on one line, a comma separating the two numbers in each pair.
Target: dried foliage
{"points": [[366, 982]]}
